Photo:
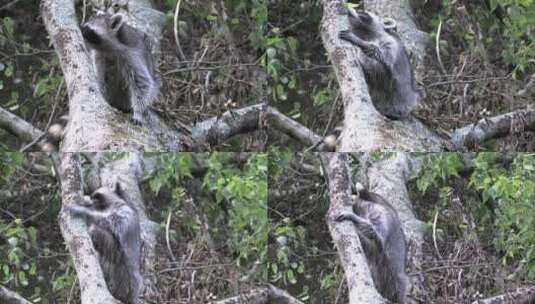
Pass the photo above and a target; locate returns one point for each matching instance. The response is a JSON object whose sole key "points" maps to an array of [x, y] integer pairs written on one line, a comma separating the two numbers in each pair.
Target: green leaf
{"points": [[23, 280], [9, 71], [8, 25]]}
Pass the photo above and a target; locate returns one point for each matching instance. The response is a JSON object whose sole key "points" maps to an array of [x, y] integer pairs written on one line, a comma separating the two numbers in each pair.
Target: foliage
{"points": [[513, 191], [175, 168], [9, 162], [17, 267], [294, 63], [279, 159], [280, 50], [255, 10], [509, 24], [10, 79], [285, 265], [507, 199], [439, 170], [245, 191], [30, 205], [239, 192], [519, 30]]}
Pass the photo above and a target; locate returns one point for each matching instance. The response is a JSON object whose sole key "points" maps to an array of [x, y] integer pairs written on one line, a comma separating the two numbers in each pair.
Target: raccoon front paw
{"points": [[343, 217], [345, 35], [136, 120]]}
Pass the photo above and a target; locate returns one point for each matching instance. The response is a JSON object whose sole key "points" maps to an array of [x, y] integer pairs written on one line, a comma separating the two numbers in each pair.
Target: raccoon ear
{"points": [[97, 196], [117, 21], [389, 24], [120, 191], [117, 189]]}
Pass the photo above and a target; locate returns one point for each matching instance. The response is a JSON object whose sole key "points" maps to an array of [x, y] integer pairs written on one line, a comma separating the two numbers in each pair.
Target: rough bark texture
{"points": [[18, 126], [92, 284], [494, 127], [389, 178], [129, 171], [93, 124], [278, 121], [365, 129], [401, 11], [263, 295], [523, 295], [9, 297], [219, 129], [344, 235]]}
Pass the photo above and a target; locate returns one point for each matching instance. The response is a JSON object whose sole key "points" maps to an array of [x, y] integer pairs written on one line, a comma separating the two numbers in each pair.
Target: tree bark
{"points": [[127, 170], [264, 295], [93, 124], [389, 178], [344, 235], [523, 295], [18, 126], [493, 127], [10, 297], [365, 129], [92, 284]]}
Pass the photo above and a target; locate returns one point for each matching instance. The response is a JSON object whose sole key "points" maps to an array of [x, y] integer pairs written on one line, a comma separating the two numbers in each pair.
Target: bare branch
{"points": [[286, 125], [528, 87], [524, 295], [494, 127], [9, 5], [270, 294], [176, 24], [18, 126], [277, 295], [10, 297], [218, 129]]}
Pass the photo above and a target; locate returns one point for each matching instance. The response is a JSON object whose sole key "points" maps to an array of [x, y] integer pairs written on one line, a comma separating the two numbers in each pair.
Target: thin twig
{"points": [[437, 48], [9, 5], [167, 223], [175, 31]]}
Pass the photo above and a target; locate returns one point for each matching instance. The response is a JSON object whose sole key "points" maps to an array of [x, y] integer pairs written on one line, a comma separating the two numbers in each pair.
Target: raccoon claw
{"points": [[137, 121], [342, 217], [345, 35]]}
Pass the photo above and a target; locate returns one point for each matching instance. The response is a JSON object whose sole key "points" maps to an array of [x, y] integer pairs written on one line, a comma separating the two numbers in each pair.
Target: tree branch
{"points": [[18, 126], [288, 126], [344, 235], [129, 170], [365, 129], [10, 297], [74, 231], [270, 294], [93, 124], [528, 87], [523, 295], [494, 127], [389, 178], [218, 129]]}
